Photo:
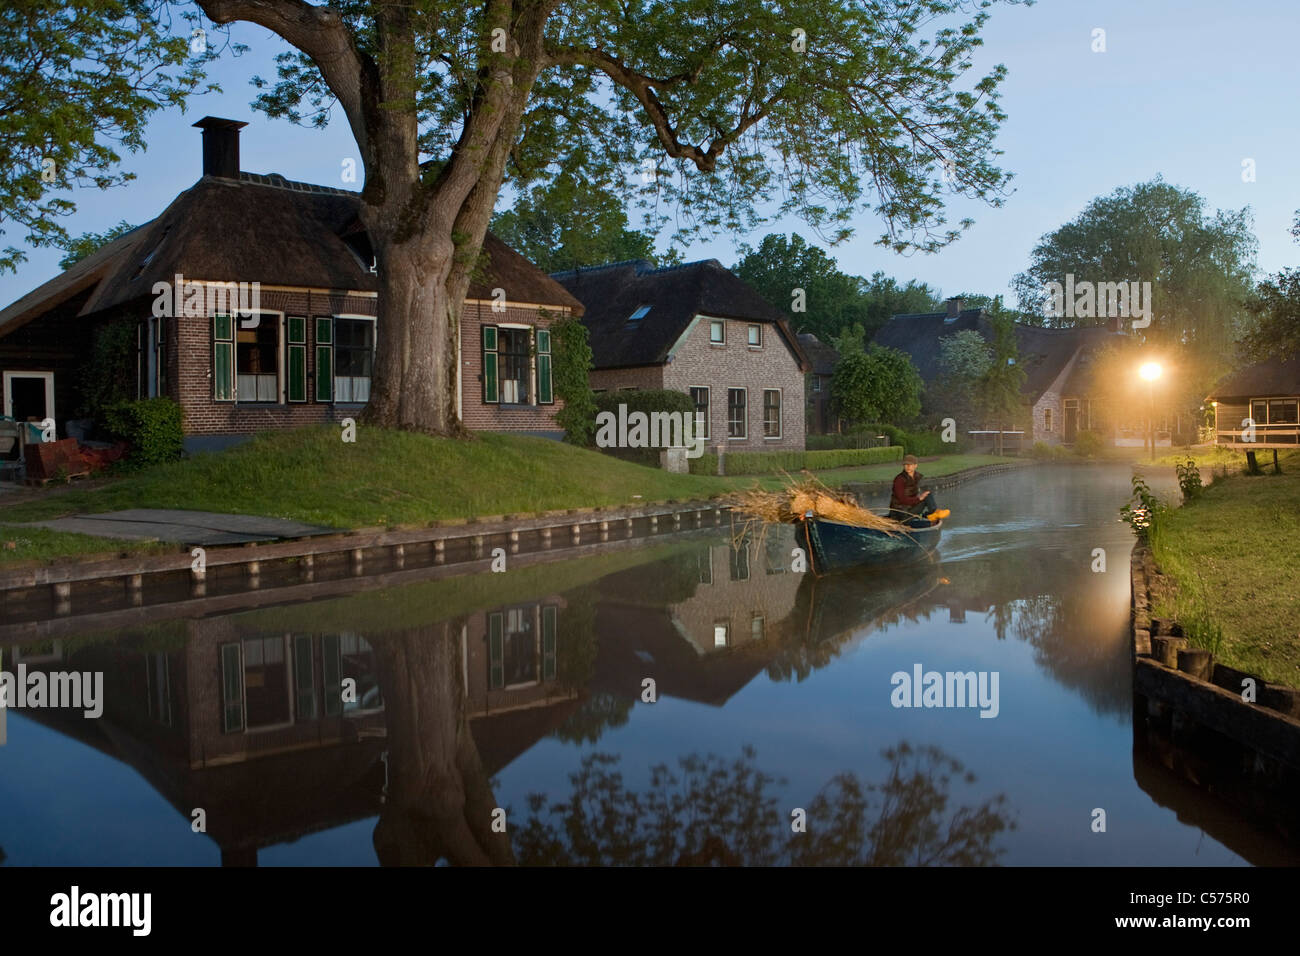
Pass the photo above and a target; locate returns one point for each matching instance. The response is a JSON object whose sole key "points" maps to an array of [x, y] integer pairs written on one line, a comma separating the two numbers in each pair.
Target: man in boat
{"points": [[908, 500]]}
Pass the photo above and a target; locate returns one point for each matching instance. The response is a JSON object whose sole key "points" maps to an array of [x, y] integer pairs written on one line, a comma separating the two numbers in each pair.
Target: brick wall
{"points": [[191, 365], [736, 365], [644, 377], [486, 416]]}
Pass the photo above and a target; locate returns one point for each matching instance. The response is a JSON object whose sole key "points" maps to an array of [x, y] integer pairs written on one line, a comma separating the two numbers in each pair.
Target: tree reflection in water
{"points": [[711, 812]]}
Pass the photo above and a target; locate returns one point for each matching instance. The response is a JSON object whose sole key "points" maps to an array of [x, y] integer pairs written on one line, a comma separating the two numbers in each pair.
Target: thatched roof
{"points": [[675, 295], [1044, 353], [1274, 376], [257, 229], [821, 356]]}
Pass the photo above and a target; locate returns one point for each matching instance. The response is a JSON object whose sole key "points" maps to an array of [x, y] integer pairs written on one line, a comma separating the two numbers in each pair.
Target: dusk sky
{"points": [[1186, 88]]}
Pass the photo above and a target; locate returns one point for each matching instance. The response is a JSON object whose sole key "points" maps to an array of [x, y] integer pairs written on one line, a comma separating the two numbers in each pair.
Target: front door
{"points": [[29, 395], [1071, 424]]}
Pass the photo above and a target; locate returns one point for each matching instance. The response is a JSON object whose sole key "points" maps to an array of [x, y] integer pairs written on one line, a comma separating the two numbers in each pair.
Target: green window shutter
{"points": [[548, 643], [324, 359], [491, 388], [544, 393], [297, 358], [223, 358], [329, 652], [232, 689], [496, 650], [304, 676]]}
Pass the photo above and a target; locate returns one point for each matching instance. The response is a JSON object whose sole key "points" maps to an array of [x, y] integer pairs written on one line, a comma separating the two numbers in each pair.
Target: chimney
{"points": [[220, 146], [955, 306]]}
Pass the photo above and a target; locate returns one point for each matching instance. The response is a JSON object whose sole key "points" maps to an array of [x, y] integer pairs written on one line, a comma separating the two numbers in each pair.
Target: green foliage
{"points": [[1088, 444], [1042, 451], [571, 222], [647, 400], [1189, 480], [80, 80], [1274, 309], [151, 426], [919, 442], [1144, 511], [89, 242], [774, 462], [964, 360], [109, 373], [570, 374], [879, 383], [833, 300]]}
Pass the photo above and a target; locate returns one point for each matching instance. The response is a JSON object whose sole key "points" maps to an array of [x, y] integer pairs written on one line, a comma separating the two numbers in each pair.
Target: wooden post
{"points": [[399, 556], [356, 561], [254, 570], [514, 542], [1196, 662], [604, 531], [63, 598], [1165, 649], [546, 537], [307, 567], [576, 531], [629, 527], [135, 589], [439, 551]]}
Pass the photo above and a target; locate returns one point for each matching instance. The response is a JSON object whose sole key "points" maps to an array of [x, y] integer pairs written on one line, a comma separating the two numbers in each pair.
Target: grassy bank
{"points": [[1233, 556], [387, 478]]}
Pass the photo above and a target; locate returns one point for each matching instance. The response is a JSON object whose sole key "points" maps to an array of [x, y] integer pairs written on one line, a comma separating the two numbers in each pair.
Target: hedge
{"points": [[771, 462], [641, 400], [151, 426]]}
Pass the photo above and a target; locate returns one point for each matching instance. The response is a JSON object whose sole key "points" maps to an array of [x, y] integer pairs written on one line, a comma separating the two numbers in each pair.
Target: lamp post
{"points": [[1151, 371]]}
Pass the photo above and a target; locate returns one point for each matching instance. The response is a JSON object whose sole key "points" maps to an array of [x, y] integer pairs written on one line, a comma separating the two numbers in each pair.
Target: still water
{"points": [[397, 726]]}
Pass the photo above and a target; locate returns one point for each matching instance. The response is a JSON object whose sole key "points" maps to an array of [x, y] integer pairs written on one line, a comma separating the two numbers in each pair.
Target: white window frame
{"points": [[708, 404], [282, 384], [780, 413], [744, 421], [19, 373], [754, 326], [334, 350], [1250, 407], [243, 682], [532, 365], [723, 324]]}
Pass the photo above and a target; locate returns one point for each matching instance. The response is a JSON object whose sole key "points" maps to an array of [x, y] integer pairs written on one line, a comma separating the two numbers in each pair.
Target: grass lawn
{"points": [[387, 478], [38, 545], [1235, 558]]}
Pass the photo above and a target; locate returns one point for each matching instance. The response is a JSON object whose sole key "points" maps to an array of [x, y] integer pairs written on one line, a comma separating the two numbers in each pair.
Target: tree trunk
{"points": [[440, 803], [415, 379]]}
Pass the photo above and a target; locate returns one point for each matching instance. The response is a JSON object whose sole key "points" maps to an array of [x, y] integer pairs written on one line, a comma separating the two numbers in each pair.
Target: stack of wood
{"points": [[794, 502]]}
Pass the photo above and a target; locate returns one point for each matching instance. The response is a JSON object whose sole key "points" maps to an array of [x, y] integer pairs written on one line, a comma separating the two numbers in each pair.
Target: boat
{"points": [[835, 546]]}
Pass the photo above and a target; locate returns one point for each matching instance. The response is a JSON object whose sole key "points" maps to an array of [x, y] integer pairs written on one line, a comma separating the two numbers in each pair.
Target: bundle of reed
{"points": [[799, 498]]}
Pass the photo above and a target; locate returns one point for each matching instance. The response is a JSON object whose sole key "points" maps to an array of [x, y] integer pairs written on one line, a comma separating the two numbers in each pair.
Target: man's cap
{"points": [[909, 460]]}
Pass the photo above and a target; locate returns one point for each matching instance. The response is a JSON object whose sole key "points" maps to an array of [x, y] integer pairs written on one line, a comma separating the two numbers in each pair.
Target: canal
{"points": [[691, 698]]}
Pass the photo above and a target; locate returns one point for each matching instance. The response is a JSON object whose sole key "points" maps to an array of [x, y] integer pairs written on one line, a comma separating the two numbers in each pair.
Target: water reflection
{"points": [[406, 711]]}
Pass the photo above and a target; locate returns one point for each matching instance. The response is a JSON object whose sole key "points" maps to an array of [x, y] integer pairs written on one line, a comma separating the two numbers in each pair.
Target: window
{"points": [[739, 563], [266, 682], [297, 358], [516, 365], [158, 680], [512, 647], [257, 358], [232, 689], [721, 631], [223, 358], [717, 332], [771, 413], [548, 643], [704, 563], [152, 366], [700, 396], [755, 336], [639, 314], [349, 657], [816, 383], [1282, 412], [757, 628], [736, 413], [354, 356], [304, 677], [1047, 419]]}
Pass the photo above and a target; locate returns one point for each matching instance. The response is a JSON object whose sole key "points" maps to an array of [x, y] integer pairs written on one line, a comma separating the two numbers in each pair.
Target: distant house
{"points": [[304, 357], [696, 328], [1265, 395], [1057, 389], [821, 368]]}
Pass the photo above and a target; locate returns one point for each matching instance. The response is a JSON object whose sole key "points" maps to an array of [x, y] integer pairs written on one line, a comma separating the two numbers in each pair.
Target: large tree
{"points": [[1275, 313], [792, 273], [79, 80], [876, 384], [727, 106], [1198, 263]]}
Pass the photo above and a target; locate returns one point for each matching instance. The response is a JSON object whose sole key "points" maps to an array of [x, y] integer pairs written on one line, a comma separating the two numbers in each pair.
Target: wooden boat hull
{"points": [[834, 546]]}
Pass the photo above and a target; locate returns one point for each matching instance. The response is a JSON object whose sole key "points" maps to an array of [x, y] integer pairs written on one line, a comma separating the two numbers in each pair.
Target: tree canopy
{"points": [[79, 80], [88, 242], [877, 384], [1274, 329]]}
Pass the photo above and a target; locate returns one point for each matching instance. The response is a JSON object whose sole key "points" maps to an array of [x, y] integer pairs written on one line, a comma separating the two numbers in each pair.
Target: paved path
{"points": [[184, 527]]}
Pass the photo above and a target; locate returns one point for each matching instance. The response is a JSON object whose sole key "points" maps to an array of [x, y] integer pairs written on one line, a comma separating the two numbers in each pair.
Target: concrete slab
{"points": [[184, 527]]}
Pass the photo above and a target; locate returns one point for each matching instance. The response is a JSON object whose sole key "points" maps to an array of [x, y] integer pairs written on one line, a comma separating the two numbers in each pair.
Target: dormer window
{"points": [[639, 314]]}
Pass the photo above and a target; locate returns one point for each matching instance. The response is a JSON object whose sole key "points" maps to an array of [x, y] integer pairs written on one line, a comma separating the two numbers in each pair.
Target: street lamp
{"points": [[1151, 371]]}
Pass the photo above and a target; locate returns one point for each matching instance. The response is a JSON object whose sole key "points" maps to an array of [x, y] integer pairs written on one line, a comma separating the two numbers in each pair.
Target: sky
{"points": [[1188, 89]]}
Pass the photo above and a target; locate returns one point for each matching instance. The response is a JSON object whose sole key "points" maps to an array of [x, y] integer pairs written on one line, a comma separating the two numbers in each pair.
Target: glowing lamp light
{"points": [[1150, 371]]}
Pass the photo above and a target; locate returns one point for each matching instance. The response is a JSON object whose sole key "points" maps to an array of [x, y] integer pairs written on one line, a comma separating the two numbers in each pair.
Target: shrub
{"points": [[1189, 480], [151, 426], [1088, 444], [571, 370], [641, 400], [1046, 452]]}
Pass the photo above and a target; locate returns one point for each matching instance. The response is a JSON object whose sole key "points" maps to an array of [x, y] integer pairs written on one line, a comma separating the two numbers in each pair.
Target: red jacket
{"points": [[907, 491]]}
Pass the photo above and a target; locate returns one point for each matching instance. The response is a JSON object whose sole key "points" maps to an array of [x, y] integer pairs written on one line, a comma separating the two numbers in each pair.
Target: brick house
{"points": [[153, 311], [699, 329], [822, 360], [1057, 388]]}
